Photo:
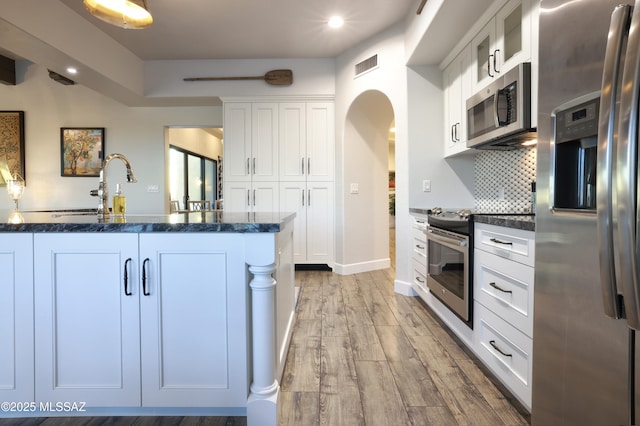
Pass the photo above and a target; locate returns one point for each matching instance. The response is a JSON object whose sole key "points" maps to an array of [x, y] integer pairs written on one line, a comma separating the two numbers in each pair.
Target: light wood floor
{"points": [[362, 355]]}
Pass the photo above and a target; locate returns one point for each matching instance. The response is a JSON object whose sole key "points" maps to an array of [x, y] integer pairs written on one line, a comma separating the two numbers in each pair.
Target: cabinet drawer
{"points": [[514, 244], [506, 288], [419, 276], [506, 351], [419, 246]]}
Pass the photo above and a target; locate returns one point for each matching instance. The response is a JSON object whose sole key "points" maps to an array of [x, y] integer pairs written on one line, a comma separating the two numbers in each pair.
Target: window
{"points": [[191, 176]]}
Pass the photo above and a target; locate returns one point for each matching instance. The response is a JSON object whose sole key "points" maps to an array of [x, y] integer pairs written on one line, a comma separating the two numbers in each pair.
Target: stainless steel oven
{"points": [[448, 269]]}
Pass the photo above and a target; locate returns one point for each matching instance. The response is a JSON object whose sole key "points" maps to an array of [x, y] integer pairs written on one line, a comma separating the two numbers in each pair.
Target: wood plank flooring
{"points": [[362, 355]]}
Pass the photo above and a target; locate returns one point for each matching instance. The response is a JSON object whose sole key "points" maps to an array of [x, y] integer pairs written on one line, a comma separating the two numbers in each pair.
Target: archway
{"points": [[366, 182]]}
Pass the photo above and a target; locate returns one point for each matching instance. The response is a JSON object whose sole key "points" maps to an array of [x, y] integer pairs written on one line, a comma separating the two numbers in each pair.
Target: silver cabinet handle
{"points": [[420, 280], [495, 346], [254, 197], [254, 165], [248, 198], [420, 247], [302, 165], [248, 169], [303, 198], [308, 197], [494, 285], [309, 165]]}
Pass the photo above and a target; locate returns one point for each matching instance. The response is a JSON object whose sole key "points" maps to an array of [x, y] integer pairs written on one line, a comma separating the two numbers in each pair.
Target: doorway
{"points": [[194, 164], [369, 182]]}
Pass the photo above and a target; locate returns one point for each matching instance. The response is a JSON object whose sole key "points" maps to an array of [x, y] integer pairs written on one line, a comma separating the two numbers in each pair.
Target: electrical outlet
{"points": [[426, 185], [152, 188], [354, 188]]}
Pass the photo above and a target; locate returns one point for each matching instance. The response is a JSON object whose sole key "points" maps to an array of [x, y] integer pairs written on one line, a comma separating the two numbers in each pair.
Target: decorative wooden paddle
{"points": [[275, 77]]}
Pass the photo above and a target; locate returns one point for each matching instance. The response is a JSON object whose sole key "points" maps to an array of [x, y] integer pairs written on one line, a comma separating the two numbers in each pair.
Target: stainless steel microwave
{"points": [[499, 116]]}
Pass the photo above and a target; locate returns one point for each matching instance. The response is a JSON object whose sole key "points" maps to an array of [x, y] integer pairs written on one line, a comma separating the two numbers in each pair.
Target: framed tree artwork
{"points": [[81, 151]]}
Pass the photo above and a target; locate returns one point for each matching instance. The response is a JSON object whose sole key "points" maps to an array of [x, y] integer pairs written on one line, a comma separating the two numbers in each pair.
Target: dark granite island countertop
{"points": [[524, 222], [210, 221]]}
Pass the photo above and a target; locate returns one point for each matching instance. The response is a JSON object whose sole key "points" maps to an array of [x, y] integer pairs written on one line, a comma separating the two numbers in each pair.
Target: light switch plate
{"points": [[354, 188], [152, 188], [426, 185]]}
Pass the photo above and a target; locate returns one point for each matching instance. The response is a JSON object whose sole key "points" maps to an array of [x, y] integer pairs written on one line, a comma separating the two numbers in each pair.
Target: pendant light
{"points": [[132, 14]]}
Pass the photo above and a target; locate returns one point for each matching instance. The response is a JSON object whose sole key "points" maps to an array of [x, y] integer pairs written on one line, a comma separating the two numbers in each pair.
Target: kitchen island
{"points": [[181, 314]]}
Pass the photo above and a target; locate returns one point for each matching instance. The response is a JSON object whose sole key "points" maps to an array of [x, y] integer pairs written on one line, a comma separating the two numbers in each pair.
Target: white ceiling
{"points": [[253, 29]]}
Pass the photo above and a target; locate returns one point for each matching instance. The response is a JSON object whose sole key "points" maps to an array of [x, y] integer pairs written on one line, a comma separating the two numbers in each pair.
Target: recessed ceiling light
{"points": [[336, 22], [72, 70]]}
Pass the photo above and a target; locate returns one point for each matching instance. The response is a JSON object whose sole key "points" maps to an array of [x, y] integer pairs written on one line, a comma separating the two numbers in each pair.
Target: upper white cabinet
{"points": [[253, 130], [306, 141], [457, 88], [16, 318], [504, 42]]}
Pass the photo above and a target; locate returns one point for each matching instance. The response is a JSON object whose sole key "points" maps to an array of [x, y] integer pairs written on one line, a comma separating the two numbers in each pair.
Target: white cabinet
{"points": [[503, 304], [193, 327], [251, 141], [126, 321], [16, 318], [250, 196], [457, 88], [504, 42], [306, 141], [313, 227], [419, 253], [87, 318]]}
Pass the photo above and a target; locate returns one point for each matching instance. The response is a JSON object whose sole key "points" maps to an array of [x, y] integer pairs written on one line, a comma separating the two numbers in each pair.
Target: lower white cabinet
{"points": [[313, 226], [140, 319], [16, 318], [503, 304], [419, 253]]}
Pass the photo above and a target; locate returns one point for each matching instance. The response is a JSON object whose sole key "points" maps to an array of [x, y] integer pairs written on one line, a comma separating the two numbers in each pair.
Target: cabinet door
{"points": [[513, 34], [320, 222], [264, 197], [194, 320], [237, 196], [16, 318], [457, 89], [237, 141], [482, 56], [87, 321], [293, 198], [293, 151], [264, 142], [320, 141]]}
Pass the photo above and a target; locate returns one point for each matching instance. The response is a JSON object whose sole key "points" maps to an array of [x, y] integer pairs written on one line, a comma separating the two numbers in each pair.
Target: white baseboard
{"points": [[357, 268]]}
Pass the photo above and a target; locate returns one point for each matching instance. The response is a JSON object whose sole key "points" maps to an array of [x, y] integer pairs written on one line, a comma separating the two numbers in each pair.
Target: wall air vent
{"points": [[366, 65], [60, 78]]}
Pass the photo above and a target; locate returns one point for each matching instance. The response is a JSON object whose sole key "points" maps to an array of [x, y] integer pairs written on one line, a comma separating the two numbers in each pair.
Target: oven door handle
{"points": [[445, 241]]}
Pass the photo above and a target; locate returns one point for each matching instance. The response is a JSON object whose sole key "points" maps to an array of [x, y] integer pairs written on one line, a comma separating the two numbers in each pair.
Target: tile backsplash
{"points": [[503, 180]]}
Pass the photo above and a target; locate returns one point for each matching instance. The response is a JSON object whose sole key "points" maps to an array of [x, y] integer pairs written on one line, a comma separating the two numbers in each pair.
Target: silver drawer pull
{"points": [[493, 344], [420, 280], [494, 285], [506, 243], [420, 247]]}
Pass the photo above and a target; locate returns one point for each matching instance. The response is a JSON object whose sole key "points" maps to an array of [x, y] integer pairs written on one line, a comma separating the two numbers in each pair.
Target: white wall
{"points": [[138, 133], [389, 79]]}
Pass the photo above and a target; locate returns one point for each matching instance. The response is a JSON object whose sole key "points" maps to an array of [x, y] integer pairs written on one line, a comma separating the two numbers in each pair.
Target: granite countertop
{"points": [[524, 222], [86, 221]]}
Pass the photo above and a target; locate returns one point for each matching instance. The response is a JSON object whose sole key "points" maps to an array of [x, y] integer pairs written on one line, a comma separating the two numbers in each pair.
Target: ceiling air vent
{"points": [[366, 65]]}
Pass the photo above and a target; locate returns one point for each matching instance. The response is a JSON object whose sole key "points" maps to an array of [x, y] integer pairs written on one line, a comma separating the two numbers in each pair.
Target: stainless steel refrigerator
{"points": [[586, 297]]}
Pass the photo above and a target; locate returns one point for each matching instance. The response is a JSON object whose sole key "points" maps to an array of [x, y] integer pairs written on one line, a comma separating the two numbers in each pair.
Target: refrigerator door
{"points": [[579, 354]]}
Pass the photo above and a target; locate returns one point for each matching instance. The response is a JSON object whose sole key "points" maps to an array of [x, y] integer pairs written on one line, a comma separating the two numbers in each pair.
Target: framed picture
{"points": [[11, 145], [81, 151]]}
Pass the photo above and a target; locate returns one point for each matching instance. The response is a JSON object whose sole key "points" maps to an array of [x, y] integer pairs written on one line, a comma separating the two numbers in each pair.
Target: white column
{"points": [[262, 408]]}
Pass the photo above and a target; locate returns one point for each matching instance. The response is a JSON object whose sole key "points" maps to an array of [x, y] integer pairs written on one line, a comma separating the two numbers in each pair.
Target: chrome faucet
{"points": [[103, 190]]}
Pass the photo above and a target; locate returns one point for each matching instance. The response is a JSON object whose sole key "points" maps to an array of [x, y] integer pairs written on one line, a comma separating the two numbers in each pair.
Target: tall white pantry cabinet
{"points": [[280, 156]]}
